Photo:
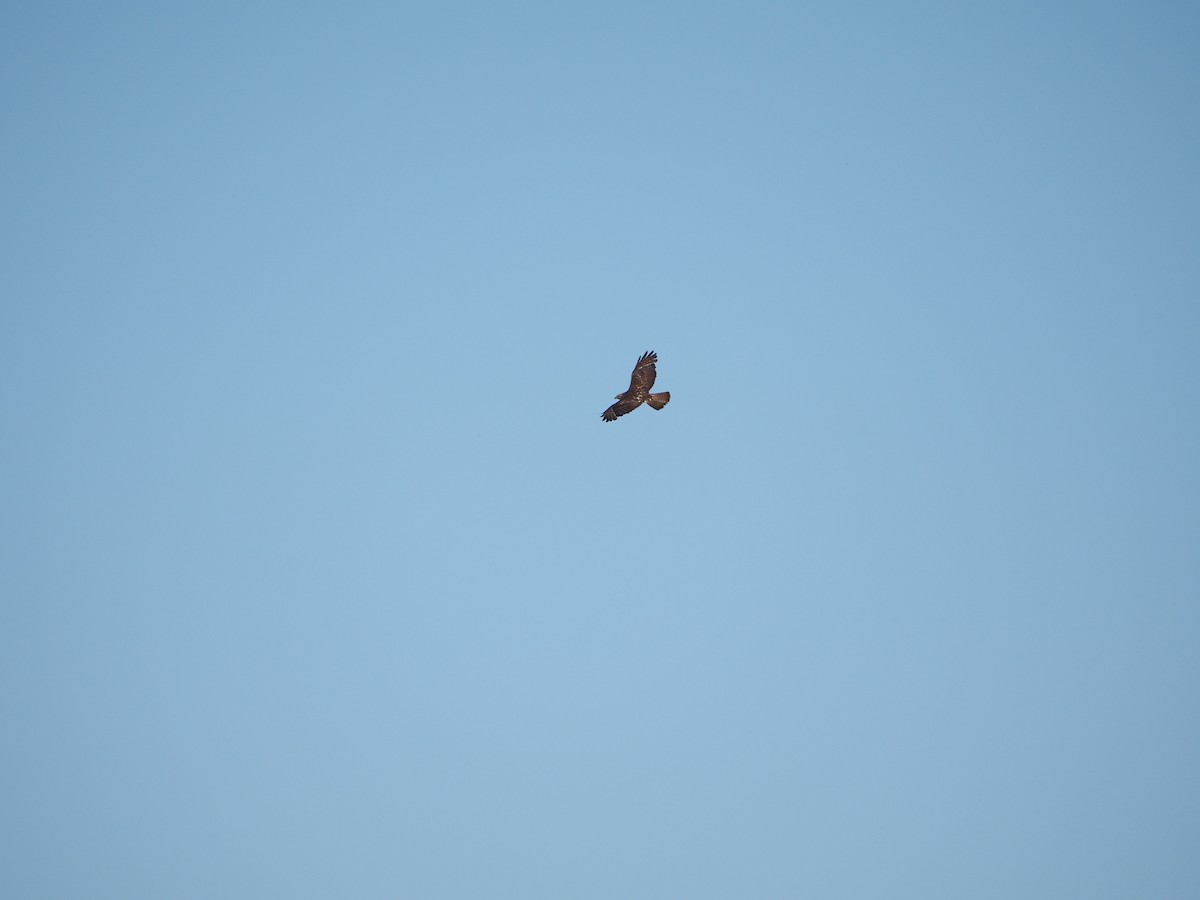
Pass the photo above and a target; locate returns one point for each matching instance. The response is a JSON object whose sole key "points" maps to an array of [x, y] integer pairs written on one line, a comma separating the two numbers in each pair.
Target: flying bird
{"points": [[639, 390]]}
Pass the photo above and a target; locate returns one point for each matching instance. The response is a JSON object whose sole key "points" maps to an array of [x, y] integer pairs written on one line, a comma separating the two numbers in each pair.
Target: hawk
{"points": [[639, 390]]}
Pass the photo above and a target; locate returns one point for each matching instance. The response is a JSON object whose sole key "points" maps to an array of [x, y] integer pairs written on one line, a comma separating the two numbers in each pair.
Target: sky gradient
{"points": [[320, 575]]}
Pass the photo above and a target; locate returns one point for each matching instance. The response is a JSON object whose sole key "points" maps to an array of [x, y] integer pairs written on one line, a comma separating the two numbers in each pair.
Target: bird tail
{"points": [[658, 401]]}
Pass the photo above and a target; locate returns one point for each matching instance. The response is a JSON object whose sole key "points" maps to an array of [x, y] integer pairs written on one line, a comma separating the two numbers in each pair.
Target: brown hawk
{"points": [[639, 390]]}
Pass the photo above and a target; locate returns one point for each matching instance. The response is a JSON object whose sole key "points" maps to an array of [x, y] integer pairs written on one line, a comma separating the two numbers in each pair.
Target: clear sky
{"points": [[320, 575]]}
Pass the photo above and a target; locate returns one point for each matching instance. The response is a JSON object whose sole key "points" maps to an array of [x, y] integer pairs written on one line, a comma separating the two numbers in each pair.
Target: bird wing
{"points": [[644, 372], [619, 409]]}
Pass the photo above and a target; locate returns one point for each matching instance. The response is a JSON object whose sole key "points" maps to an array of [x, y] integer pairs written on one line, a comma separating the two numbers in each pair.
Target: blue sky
{"points": [[322, 577]]}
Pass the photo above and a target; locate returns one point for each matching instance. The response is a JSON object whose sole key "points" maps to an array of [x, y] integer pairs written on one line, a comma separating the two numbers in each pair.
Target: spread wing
{"points": [[619, 409], [644, 374]]}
